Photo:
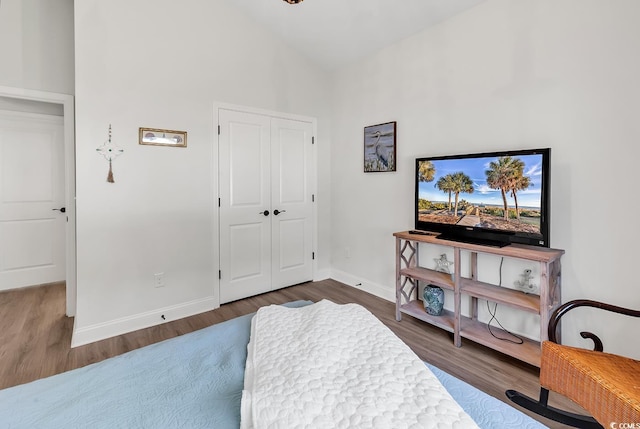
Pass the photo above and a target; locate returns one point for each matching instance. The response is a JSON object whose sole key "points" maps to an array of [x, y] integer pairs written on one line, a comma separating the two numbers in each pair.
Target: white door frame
{"points": [[314, 175], [67, 103]]}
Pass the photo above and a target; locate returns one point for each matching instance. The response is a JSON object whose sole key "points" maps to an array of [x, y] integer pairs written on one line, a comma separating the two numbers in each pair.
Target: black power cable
{"points": [[493, 317]]}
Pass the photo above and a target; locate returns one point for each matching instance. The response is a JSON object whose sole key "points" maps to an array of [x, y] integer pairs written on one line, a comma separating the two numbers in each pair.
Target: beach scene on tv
{"points": [[501, 193]]}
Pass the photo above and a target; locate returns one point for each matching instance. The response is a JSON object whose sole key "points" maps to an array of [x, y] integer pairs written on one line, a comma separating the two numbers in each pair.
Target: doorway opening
{"points": [[55, 104]]}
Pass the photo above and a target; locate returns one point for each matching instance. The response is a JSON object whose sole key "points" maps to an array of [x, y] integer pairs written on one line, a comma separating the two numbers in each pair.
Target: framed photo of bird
{"points": [[380, 147]]}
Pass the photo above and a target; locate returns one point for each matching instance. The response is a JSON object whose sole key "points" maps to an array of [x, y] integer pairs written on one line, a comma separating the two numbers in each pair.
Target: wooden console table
{"points": [[409, 274]]}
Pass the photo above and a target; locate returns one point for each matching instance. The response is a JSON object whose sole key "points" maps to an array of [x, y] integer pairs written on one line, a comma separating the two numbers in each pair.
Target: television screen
{"points": [[493, 198]]}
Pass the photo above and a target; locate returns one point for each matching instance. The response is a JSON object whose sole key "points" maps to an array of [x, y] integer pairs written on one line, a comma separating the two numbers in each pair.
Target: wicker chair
{"points": [[604, 384]]}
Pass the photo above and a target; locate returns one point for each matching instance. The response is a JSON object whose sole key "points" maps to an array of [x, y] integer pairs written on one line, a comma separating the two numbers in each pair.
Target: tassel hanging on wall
{"points": [[110, 151], [110, 175]]}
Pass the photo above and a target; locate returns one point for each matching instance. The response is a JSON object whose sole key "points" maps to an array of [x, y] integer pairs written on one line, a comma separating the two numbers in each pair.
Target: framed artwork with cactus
{"points": [[380, 147]]}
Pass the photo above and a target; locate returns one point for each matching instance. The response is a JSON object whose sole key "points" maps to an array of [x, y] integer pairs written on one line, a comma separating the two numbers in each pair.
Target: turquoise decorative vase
{"points": [[433, 300]]}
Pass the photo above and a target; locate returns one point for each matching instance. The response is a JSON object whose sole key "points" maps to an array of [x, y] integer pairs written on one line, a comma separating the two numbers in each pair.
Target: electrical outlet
{"points": [[347, 252], [159, 279]]}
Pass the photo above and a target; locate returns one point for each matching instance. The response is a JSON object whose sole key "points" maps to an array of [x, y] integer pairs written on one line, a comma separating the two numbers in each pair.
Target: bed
{"points": [[198, 380]]}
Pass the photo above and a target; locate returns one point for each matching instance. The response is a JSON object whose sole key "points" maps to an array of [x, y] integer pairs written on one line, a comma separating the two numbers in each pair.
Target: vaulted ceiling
{"points": [[333, 33]]}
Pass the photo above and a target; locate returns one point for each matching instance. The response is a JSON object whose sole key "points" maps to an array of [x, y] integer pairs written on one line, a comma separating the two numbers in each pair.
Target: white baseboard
{"points": [[100, 331], [381, 291], [322, 275]]}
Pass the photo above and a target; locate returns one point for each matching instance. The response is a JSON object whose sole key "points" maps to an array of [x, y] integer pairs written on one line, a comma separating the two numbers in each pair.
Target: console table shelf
{"points": [[529, 351], [409, 275], [416, 309], [426, 275], [514, 298]]}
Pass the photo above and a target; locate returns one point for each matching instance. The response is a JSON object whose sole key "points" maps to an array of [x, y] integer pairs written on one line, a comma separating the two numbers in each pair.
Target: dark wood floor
{"points": [[35, 338]]}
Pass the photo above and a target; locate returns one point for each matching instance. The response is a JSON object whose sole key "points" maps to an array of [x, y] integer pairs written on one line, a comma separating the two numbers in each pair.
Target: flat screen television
{"points": [[493, 198]]}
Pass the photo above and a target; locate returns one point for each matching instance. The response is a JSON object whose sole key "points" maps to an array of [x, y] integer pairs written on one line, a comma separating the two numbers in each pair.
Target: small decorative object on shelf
{"points": [[525, 284], [433, 300], [442, 264]]}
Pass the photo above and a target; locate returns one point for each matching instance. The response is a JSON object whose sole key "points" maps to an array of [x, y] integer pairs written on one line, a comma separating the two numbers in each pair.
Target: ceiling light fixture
{"points": [[293, 1]]}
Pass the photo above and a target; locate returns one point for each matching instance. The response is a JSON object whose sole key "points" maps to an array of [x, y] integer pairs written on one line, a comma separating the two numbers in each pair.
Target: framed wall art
{"points": [[159, 137], [380, 147]]}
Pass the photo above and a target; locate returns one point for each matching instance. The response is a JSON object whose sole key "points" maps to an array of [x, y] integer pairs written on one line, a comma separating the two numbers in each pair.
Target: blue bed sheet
{"points": [[192, 381]]}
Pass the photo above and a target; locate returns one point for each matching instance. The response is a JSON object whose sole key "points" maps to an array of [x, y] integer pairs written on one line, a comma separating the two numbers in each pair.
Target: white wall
{"points": [[504, 75], [36, 45], [162, 64]]}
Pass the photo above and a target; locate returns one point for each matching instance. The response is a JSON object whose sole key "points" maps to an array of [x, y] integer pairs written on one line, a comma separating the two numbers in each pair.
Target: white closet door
{"points": [[244, 180], [32, 232], [291, 200], [266, 206]]}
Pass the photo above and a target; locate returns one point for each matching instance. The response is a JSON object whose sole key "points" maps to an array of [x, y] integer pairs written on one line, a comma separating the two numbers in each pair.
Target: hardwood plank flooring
{"points": [[35, 338]]}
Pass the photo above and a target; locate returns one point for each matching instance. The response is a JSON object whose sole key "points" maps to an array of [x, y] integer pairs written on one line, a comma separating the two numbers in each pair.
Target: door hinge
{"points": [[218, 129], [313, 140], [219, 202], [313, 255], [313, 198], [219, 274]]}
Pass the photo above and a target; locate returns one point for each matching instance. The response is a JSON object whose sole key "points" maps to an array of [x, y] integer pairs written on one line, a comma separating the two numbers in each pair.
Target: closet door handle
{"points": [[62, 209], [266, 213], [277, 212]]}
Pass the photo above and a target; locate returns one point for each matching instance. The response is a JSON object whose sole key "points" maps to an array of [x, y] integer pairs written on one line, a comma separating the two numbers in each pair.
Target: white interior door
{"points": [[245, 207], [291, 200], [32, 228], [266, 203]]}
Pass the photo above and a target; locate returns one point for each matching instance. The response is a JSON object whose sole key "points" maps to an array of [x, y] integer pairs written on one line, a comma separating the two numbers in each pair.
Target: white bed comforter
{"points": [[337, 366]]}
